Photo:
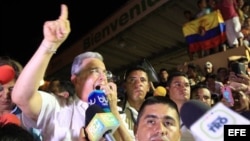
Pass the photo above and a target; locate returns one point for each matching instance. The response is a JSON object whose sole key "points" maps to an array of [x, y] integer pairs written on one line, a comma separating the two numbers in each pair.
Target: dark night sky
{"points": [[22, 22]]}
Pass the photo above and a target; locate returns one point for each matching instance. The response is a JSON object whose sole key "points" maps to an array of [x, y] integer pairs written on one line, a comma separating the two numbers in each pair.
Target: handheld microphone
{"points": [[100, 124], [7, 74], [99, 98], [208, 123]]}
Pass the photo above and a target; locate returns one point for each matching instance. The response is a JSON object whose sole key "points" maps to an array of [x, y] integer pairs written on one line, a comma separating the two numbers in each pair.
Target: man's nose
{"points": [[103, 76], [161, 129]]}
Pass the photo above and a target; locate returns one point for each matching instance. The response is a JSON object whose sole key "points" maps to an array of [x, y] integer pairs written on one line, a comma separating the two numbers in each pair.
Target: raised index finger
{"points": [[64, 12]]}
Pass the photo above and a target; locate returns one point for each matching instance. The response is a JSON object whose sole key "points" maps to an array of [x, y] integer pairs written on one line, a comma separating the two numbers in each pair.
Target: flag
{"points": [[214, 32]]}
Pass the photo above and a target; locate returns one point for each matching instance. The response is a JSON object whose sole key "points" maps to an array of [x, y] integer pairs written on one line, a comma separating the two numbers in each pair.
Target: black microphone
{"points": [[207, 123], [191, 111], [100, 124], [91, 111]]}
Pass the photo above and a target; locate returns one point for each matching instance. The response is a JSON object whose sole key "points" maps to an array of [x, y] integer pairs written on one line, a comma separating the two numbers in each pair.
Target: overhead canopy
{"points": [[150, 29]]}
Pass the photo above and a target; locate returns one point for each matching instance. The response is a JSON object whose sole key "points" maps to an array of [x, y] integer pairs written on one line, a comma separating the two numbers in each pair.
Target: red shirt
{"points": [[227, 9]]}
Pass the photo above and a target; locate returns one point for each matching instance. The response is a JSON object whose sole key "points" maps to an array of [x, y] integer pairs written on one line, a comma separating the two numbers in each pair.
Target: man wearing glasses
{"points": [[61, 121]]}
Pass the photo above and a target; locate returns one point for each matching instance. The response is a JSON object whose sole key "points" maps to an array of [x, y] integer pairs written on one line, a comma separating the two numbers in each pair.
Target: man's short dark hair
{"points": [[199, 86], [175, 74], [63, 85], [156, 100], [163, 69], [13, 132], [134, 68]]}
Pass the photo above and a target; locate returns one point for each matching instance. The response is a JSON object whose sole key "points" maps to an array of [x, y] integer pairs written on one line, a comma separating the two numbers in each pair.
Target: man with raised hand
{"points": [[61, 121]]}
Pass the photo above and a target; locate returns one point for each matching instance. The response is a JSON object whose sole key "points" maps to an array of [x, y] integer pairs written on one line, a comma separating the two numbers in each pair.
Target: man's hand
{"points": [[240, 78], [57, 31]]}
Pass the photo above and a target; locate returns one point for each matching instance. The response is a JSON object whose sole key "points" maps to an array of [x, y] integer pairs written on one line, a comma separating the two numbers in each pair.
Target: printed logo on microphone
{"points": [[211, 124], [96, 125], [98, 97], [100, 124]]}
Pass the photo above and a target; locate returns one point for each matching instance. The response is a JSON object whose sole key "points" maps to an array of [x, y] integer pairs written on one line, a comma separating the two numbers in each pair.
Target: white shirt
{"points": [[59, 122], [187, 134]]}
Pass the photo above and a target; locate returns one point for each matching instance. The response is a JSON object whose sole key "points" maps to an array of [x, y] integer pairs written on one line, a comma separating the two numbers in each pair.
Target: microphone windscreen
{"points": [[91, 111], [7, 73], [191, 111], [160, 91]]}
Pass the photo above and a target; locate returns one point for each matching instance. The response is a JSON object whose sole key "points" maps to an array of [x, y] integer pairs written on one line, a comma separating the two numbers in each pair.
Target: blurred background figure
{"points": [[208, 68], [245, 29], [62, 89], [229, 11], [213, 84], [194, 76], [9, 72], [211, 4], [202, 93], [222, 74], [163, 76], [188, 15], [241, 101]]}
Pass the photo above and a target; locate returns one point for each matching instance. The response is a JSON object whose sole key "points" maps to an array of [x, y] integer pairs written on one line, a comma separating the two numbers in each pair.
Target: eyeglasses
{"points": [[99, 72]]}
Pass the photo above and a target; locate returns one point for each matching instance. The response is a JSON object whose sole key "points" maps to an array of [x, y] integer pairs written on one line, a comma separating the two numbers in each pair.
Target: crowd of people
{"points": [[58, 113], [235, 15]]}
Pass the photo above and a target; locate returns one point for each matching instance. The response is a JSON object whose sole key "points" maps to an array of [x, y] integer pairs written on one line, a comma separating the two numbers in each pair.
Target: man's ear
{"points": [[65, 94], [167, 88], [73, 79]]}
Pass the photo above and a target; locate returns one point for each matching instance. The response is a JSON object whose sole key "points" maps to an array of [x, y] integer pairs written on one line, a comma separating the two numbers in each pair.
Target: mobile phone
{"points": [[238, 68], [227, 94]]}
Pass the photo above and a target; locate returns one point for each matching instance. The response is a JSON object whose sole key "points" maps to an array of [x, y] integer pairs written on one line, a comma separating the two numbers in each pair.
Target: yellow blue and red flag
{"points": [[214, 35]]}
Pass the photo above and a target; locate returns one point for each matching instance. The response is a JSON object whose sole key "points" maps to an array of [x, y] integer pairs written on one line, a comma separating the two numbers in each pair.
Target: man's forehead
{"points": [[165, 109], [93, 62], [180, 79], [137, 73]]}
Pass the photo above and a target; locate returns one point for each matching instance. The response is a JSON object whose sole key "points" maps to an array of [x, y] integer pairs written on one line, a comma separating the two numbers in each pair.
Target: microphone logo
{"points": [[217, 123], [98, 97], [212, 123]]}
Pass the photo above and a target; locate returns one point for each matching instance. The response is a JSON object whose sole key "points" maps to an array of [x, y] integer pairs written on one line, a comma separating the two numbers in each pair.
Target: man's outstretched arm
{"points": [[25, 93]]}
